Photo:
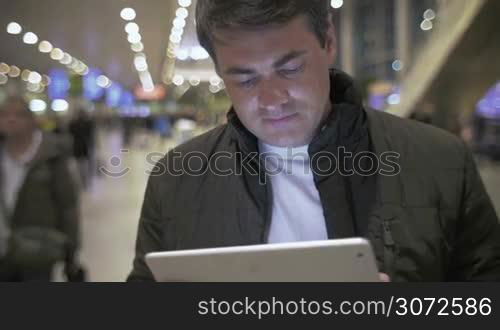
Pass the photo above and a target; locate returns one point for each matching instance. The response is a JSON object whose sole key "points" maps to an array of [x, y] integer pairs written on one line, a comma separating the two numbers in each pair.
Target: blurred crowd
{"points": [[47, 162]]}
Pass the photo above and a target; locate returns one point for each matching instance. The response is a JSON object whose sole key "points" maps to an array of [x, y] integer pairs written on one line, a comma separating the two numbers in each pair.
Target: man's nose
{"points": [[272, 95]]}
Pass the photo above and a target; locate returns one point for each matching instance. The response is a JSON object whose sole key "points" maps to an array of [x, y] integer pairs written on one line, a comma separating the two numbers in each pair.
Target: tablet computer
{"points": [[341, 260]]}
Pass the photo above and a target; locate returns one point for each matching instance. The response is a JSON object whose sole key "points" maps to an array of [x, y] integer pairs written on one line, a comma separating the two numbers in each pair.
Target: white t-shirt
{"points": [[297, 210]]}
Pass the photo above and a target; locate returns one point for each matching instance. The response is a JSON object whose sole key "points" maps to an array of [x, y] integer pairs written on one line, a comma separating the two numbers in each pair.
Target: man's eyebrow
{"points": [[288, 57], [238, 71], [280, 62]]}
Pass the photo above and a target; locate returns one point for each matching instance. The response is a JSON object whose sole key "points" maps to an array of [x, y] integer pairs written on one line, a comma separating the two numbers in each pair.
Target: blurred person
{"points": [[427, 214], [82, 130], [39, 218], [51, 123], [163, 126], [59, 128], [128, 130]]}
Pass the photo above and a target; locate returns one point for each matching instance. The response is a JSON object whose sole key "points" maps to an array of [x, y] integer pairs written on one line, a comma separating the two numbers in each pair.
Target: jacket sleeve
{"points": [[149, 232], [476, 255]]}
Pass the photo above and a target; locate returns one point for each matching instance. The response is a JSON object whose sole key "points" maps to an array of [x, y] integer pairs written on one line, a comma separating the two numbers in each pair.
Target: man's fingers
{"points": [[384, 277]]}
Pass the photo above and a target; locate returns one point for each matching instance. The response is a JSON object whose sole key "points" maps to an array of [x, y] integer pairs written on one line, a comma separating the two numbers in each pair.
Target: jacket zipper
{"points": [[269, 211], [269, 205], [389, 248]]}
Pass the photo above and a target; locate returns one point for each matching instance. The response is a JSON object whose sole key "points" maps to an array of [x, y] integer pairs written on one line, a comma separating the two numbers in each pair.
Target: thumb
{"points": [[384, 277]]}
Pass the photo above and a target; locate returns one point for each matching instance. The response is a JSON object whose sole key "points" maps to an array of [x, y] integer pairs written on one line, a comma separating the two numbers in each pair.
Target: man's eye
{"points": [[290, 71], [247, 83]]}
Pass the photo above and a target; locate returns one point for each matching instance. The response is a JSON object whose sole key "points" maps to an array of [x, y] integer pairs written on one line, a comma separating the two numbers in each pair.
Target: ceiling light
{"points": [[140, 62], [175, 39], [14, 28], [102, 81], [14, 72], [185, 3], [195, 81], [177, 30], [182, 13], [199, 53], [394, 99], [60, 105], [182, 54], [33, 87], [66, 59], [25, 75], [45, 47], [215, 81], [132, 28], [214, 89], [30, 38], [134, 38], [397, 65], [179, 23], [429, 14], [56, 54], [426, 25], [35, 77], [127, 14], [74, 64], [178, 80], [337, 3], [37, 105], [137, 47], [4, 68]]}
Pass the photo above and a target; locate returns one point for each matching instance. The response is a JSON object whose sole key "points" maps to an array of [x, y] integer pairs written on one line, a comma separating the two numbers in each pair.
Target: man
{"points": [[424, 208], [82, 130], [38, 200]]}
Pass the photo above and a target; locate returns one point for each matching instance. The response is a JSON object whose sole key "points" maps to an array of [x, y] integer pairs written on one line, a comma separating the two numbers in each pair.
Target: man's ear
{"points": [[331, 41]]}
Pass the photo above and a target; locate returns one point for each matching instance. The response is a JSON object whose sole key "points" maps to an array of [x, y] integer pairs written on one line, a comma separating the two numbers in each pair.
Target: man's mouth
{"points": [[280, 119]]}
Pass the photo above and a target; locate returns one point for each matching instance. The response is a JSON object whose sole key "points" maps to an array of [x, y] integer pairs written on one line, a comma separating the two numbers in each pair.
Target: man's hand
{"points": [[74, 272], [384, 277]]}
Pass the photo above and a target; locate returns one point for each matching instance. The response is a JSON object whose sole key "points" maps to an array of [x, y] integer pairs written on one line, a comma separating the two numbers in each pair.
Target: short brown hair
{"points": [[222, 14]]}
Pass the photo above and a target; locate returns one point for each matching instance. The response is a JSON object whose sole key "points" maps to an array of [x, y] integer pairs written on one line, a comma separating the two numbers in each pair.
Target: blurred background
{"points": [[124, 81]]}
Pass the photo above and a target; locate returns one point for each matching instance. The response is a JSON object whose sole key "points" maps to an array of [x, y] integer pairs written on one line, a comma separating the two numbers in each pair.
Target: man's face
{"points": [[15, 120], [277, 79]]}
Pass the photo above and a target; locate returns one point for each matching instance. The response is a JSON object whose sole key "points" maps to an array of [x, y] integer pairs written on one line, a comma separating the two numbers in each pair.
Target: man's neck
{"points": [[326, 116], [18, 145]]}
